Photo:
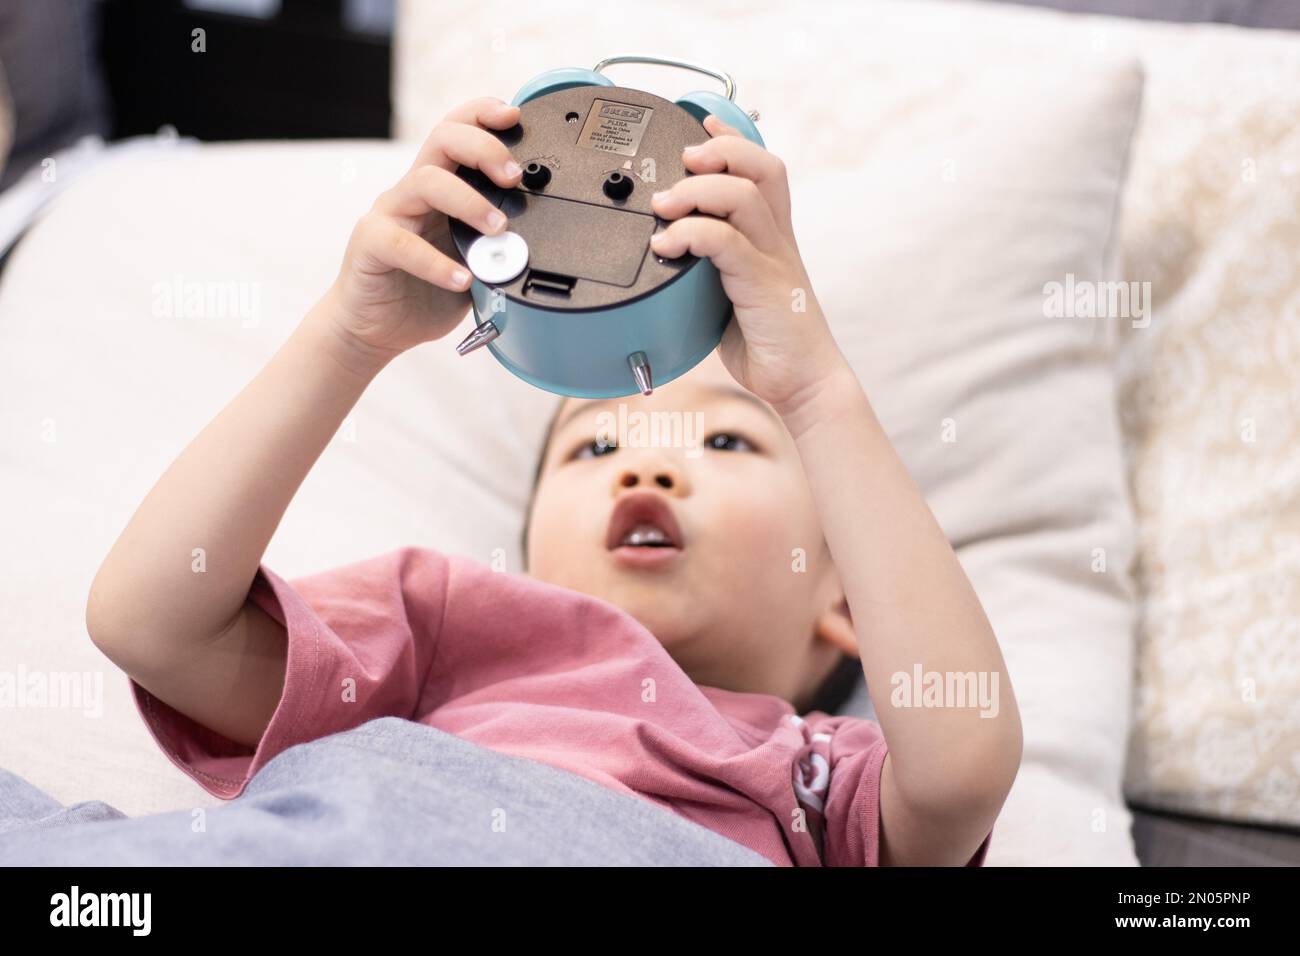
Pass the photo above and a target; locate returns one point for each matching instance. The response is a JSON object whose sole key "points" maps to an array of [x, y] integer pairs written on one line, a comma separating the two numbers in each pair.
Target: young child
{"points": [[681, 617]]}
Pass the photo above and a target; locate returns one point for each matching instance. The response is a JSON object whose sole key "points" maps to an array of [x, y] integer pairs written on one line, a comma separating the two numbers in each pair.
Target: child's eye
{"points": [[725, 441], [719, 441], [593, 449]]}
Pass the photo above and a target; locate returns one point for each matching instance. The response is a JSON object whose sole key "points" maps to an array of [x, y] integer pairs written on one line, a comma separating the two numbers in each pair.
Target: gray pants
{"points": [[389, 792]]}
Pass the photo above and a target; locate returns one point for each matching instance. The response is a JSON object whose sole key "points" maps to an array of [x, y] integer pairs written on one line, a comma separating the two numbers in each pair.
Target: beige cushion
{"points": [[1211, 416]]}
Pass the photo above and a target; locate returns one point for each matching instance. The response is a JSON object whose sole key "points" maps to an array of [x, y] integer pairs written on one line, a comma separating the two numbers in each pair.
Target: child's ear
{"points": [[835, 624]]}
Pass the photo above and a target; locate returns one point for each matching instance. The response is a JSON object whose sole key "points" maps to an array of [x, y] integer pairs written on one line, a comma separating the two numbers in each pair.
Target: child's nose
{"points": [[652, 471]]}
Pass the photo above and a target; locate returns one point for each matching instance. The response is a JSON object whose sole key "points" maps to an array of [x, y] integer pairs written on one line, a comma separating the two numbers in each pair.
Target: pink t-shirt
{"points": [[549, 674]]}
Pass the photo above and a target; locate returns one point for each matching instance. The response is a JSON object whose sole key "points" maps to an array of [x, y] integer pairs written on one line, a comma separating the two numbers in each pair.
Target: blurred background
{"points": [[280, 69]]}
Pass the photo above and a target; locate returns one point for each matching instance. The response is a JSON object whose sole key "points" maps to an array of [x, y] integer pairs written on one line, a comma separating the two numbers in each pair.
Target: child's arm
{"points": [[191, 636], [948, 770]]}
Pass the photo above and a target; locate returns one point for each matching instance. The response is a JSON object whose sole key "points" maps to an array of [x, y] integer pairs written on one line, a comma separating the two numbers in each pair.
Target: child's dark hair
{"points": [[834, 691]]}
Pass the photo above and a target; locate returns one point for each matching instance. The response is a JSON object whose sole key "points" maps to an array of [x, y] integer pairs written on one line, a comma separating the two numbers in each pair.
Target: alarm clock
{"points": [[571, 298]]}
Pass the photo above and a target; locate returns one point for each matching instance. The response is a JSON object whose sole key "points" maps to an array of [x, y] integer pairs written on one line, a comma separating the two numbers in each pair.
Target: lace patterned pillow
{"points": [[1210, 407]]}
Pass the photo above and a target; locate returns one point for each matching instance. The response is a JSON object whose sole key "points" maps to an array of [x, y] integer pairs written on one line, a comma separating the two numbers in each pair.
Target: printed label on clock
{"points": [[615, 127]]}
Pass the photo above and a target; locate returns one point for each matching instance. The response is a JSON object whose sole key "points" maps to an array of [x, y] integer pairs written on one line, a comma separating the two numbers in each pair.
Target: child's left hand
{"points": [[774, 350]]}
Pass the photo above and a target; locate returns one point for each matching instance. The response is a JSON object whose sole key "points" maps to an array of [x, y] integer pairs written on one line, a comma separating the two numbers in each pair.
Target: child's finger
{"points": [[736, 199], [387, 244], [467, 111], [453, 144], [713, 239], [485, 111], [717, 127], [434, 189], [477, 116], [740, 157]]}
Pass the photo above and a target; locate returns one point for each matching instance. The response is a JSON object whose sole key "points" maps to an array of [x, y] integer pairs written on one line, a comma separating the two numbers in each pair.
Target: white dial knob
{"points": [[497, 259]]}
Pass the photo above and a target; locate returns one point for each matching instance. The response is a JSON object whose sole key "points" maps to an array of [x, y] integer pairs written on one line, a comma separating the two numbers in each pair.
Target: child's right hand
{"points": [[400, 283]]}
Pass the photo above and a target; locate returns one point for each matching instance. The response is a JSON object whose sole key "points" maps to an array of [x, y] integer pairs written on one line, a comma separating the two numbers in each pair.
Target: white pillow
{"points": [[100, 393]]}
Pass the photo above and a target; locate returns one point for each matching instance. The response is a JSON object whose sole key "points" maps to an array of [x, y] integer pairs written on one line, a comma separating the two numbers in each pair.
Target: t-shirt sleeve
{"points": [[837, 782], [361, 638]]}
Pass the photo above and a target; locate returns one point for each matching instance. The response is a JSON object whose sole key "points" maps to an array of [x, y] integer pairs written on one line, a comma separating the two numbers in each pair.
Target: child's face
{"points": [[730, 603]]}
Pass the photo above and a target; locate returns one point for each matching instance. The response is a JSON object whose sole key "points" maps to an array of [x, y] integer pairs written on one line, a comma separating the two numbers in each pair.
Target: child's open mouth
{"points": [[643, 532]]}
